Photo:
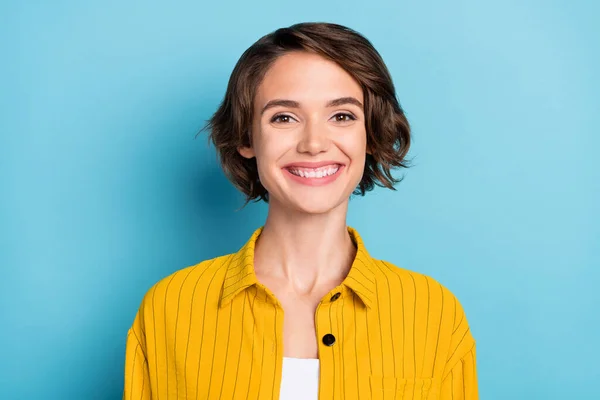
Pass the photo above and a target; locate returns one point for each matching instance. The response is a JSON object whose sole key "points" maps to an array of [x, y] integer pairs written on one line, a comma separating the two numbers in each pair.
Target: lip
{"points": [[314, 164], [313, 181]]}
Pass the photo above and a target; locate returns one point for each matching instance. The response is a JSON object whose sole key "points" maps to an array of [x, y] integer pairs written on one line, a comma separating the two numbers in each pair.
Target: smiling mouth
{"points": [[312, 173]]}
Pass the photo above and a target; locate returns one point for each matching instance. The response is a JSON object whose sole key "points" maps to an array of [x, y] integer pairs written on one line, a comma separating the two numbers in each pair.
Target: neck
{"points": [[305, 250]]}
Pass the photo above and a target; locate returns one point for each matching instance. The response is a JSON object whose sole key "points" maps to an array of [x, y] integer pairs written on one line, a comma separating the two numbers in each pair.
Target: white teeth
{"points": [[315, 173]]}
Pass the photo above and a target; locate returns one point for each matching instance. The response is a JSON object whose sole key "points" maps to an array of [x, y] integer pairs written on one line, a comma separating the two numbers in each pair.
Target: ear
{"points": [[369, 151], [246, 152]]}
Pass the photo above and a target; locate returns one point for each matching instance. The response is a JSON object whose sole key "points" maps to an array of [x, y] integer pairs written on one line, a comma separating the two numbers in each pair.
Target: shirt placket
{"points": [[328, 330]]}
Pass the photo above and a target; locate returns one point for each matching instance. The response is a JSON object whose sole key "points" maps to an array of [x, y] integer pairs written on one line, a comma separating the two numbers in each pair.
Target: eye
{"points": [[344, 117], [281, 118]]}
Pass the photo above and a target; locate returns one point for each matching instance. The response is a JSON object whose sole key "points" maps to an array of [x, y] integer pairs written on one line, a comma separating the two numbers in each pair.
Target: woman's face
{"points": [[308, 133]]}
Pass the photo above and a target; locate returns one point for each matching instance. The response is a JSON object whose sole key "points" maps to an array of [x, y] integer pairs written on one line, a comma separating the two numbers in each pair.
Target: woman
{"points": [[302, 310]]}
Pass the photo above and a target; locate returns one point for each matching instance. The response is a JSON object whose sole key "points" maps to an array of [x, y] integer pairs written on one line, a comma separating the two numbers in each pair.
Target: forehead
{"points": [[306, 78]]}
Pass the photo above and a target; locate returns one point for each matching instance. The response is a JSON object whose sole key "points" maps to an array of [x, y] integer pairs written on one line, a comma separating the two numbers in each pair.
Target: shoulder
{"points": [[423, 292], [185, 283], [180, 290]]}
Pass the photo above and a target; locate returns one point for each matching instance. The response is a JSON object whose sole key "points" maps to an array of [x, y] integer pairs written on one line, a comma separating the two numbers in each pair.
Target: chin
{"points": [[308, 199], [315, 204]]}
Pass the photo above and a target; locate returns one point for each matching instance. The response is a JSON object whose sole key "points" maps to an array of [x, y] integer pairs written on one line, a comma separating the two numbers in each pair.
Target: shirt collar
{"points": [[240, 271]]}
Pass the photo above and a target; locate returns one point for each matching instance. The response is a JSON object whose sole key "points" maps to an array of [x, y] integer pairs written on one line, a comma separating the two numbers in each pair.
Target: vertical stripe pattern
{"points": [[212, 331]]}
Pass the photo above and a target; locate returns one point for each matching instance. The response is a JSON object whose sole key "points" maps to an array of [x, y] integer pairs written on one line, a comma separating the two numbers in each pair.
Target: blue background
{"points": [[104, 189]]}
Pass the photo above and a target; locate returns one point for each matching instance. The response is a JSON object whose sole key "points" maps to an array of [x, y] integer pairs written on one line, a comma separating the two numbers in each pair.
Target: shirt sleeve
{"points": [[460, 382], [137, 381]]}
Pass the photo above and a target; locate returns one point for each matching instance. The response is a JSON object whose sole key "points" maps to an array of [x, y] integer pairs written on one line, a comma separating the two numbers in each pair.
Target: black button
{"points": [[336, 296], [328, 340]]}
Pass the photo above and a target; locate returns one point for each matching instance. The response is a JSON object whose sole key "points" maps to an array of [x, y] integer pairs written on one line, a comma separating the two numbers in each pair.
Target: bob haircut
{"points": [[388, 131]]}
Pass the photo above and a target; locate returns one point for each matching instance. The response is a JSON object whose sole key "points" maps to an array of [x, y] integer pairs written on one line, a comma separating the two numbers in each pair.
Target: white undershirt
{"points": [[300, 379]]}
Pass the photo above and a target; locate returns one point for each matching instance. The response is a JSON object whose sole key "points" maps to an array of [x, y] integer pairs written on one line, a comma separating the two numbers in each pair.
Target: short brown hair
{"points": [[388, 131]]}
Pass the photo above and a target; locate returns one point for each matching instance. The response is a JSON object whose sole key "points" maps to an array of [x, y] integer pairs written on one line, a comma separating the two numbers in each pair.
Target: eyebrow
{"points": [[294, 104]]}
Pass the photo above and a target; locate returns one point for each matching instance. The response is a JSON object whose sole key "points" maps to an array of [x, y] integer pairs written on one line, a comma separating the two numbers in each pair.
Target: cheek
{"points": [[269, 149], [355, 144], [273, 143]]}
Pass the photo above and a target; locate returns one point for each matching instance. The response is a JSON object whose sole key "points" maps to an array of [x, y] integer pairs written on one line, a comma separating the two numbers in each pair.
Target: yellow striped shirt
{"points": [[212, 331]]}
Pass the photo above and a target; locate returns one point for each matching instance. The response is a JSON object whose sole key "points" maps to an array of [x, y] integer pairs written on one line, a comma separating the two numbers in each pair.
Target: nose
{"points": [[314, 139]]}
